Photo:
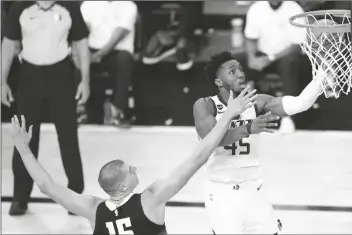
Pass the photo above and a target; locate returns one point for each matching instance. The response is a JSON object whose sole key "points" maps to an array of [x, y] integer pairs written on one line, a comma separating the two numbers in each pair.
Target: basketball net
{"points": [[331, 53]]}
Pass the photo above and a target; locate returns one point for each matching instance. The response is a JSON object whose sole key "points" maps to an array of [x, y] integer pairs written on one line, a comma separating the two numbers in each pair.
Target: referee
{"points": [[45, 29]]}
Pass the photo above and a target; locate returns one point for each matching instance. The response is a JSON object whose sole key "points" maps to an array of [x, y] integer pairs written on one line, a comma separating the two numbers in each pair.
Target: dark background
{"points": [[161, 92]]}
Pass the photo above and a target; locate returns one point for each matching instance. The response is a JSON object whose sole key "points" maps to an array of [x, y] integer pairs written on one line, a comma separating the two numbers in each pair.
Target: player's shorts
{"points": [[239, 209]]}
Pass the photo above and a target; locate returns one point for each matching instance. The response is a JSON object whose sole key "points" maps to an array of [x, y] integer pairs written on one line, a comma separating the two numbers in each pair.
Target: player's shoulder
{"points": [[72, 7], [204, 106], [17, 7], [96, 202], [87, 7], [293, 7], [292, 4], [257, 6], [125, 6]]}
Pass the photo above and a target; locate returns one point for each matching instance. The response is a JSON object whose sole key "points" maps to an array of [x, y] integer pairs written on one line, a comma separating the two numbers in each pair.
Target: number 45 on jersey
{"points": [[243, 146]]}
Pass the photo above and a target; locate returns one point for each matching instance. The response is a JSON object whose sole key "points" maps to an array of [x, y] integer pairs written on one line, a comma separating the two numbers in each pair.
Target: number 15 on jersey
{"points": [[121, 225]]}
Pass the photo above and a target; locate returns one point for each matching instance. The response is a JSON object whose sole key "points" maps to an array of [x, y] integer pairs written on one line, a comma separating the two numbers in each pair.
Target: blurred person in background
{"points": [[175, 39], [325, 5], [43, 30], [272, 45], [111, 42]]}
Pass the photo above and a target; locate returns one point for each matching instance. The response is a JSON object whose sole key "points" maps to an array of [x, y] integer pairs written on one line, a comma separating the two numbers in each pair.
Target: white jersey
{"points": [[238, 162]]}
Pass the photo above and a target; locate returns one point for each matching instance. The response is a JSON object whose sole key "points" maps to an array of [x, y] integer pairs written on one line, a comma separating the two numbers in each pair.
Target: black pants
{"points": [[119, 64], [52, 87]]}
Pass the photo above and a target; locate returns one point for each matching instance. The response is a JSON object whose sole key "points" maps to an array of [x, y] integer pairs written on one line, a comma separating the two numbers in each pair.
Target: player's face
{"points": [[131, 180], [232, 76]]}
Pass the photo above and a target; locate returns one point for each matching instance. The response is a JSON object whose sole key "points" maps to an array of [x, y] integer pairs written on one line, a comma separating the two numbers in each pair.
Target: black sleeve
{"points": [[79, 28], [12, 27]]}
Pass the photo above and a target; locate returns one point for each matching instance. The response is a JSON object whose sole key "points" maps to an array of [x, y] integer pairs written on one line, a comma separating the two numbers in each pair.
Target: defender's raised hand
{"points": [[20, 136], [243, 101], [261, 123]]}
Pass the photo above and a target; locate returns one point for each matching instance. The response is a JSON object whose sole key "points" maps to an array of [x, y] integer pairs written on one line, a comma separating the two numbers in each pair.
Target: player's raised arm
{"points": [[79, 204], [205, 121], [164, 189], [290, 105]]}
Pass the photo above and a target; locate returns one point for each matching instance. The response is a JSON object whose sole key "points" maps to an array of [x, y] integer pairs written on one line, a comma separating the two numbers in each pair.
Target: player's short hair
{"points": [[110, 176], [216, 62]]}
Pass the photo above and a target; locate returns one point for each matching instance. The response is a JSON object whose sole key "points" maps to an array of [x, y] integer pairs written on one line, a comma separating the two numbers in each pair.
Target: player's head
{"points": [[275, 4], [225, 71], [118, 177]]}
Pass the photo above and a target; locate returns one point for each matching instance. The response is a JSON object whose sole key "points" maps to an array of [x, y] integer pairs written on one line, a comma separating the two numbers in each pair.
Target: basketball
{"points": [[317, 37]]}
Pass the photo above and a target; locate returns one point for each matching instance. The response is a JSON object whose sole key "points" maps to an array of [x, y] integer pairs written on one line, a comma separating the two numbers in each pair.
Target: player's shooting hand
{"points": [[263, 123], [20, 136], [244, 100]]}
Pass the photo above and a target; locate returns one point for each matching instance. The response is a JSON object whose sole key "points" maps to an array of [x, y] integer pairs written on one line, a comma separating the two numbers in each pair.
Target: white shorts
{"points": [[239, 209]]}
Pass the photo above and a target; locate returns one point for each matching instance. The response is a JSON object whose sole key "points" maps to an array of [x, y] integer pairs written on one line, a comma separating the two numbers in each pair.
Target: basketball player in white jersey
{"points": [[233, 199]]}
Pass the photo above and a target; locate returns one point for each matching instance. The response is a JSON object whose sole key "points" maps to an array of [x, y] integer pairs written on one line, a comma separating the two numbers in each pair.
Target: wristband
{"points": [[248, 127]]}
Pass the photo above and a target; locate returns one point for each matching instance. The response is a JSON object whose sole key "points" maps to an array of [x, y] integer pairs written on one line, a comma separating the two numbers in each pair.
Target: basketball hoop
{"points": [[328, 45]]}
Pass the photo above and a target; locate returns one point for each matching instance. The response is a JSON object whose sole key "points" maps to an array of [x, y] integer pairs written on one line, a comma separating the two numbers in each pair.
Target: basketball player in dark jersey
{"points": [[233, 173], [126, 212]]}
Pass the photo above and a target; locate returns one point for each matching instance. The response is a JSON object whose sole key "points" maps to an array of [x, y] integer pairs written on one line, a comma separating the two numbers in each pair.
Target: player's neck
{"points": [[45, 3], [119, 197]]}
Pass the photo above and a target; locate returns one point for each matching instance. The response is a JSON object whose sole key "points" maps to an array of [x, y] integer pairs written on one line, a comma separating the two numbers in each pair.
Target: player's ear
{"points": [[123, 188], [218, 82]]}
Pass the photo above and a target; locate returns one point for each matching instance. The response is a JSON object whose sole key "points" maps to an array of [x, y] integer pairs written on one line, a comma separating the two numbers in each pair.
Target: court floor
{"points": [[308, 177]]}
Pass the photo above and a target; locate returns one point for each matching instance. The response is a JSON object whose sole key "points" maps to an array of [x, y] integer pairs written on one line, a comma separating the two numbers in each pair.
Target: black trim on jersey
{"points": [[221, 100], [45, 9], [214, 105], [256, 110], [225, 103]]}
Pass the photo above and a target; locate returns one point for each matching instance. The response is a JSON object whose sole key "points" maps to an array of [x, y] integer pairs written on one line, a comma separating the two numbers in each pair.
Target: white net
{"points": [[330, 52]]}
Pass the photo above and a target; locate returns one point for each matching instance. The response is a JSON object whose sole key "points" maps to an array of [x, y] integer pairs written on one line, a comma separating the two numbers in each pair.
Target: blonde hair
{"points": [[110, 176]]}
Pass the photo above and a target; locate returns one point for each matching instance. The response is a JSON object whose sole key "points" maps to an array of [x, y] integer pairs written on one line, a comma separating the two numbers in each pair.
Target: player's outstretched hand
{"points": [[263, 123], [243, 101], [20, 136]]}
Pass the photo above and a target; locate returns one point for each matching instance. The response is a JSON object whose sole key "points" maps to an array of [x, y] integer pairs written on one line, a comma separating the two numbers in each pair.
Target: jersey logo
{"points": [[116, 213]]}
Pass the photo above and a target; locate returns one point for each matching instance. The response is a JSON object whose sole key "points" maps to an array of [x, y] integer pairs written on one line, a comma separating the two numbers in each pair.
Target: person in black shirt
{"points": [[127, 212]]}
